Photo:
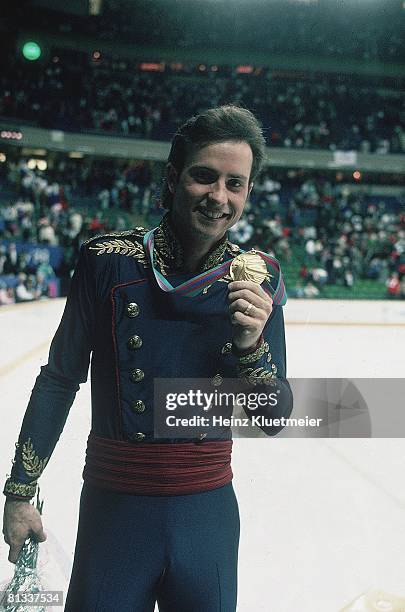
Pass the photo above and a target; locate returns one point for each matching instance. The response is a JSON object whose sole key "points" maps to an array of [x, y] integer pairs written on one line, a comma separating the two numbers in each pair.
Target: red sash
{"points": [[157, 469]]}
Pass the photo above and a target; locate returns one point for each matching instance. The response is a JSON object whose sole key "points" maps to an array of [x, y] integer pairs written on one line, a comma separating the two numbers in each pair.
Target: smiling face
{"points": [[210, 193]]}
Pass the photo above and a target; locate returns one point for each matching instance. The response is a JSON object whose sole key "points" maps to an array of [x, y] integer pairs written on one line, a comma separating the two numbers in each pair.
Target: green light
{"points": [[31, 51]]}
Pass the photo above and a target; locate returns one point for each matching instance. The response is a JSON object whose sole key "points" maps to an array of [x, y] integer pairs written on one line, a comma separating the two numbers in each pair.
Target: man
{"points": [[158, 517]]}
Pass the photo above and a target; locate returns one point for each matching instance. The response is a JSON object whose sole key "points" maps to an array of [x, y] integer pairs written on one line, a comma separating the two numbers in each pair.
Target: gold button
{"points": [[217, 380], [132, 310], [134, 342], [138, 406], [137, 375], [138, 436]]}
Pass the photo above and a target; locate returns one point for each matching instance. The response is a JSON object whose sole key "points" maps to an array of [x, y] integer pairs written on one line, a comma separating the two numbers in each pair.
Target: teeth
{"points": [[211, 214]]}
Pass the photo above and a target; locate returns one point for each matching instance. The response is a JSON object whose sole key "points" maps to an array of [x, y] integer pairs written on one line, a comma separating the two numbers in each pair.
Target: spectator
{"points": [[393, 286], [22, 292], [13, 260], [310, 291], [6, 294]]}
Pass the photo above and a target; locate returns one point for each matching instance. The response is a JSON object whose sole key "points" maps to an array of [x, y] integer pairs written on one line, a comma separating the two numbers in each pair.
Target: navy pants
{"points": [[133, 550]]}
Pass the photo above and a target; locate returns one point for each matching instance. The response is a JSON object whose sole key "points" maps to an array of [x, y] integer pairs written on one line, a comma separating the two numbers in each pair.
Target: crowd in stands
{"points": [[335, 236], [332, 235], [71, 92], [42, 213]]}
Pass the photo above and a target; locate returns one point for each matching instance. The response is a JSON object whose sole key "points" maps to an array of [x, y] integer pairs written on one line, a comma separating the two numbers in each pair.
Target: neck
{"points": [[193, 255], [195, 248]]}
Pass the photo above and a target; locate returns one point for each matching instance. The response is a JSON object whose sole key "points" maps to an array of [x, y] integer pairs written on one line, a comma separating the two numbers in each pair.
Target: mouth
{"points": [[212, 215]]}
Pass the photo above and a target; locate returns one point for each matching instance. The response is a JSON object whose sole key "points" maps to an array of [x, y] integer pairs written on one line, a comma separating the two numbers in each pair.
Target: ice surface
{"points": [[322, 520]]}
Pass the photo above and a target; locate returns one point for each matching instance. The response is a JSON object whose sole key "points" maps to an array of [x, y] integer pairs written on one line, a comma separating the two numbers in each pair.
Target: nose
{"points": [[219, 193]]}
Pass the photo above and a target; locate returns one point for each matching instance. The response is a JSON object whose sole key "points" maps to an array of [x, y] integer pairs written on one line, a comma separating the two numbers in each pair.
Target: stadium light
{"points": [[41, 164], [31, 51]]}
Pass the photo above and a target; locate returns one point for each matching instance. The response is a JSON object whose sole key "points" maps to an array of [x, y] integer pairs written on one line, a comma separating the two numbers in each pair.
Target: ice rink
{"points": [[322, 520]]}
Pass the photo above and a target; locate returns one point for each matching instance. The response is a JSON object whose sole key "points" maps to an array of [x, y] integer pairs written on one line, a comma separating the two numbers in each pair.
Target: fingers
{"points": [[16, 542], [251, 319], [15, 550], [21, 520], [250, 300], [15, 539], [36, 530], [248, 290], [251, 307], [246, 285]]}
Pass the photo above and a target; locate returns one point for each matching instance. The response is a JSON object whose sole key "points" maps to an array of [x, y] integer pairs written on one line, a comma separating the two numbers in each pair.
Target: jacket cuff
{"points": [[19, 490], [251, 354], [258, 367]]}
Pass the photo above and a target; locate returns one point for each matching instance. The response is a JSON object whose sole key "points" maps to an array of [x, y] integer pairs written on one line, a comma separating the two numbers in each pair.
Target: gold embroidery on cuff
{"points": [[19, 488], [258, 376], [255, 356], [33, 465]]}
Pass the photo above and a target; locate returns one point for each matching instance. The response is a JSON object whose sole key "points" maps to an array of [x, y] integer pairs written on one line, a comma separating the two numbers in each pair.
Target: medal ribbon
{"points": [[195, 285]]}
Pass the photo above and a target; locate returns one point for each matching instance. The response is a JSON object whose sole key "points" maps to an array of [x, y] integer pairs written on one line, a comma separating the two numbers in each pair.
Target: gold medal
{"points": [[249, 266]]}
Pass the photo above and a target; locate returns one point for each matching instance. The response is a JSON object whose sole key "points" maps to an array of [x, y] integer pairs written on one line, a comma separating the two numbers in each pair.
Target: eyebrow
{"points": [[200, 167]]}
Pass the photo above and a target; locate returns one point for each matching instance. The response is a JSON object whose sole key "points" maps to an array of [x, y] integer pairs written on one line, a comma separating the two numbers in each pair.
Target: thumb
{"points": [[40, 535]]}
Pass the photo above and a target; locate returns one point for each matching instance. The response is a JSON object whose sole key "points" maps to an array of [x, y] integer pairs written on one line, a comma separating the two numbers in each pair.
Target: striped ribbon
{"points": [[195, 285]]}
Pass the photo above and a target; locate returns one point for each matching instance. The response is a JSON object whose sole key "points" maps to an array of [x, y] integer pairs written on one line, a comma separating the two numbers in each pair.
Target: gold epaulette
{"points": [[136, 232], [128, 243]]}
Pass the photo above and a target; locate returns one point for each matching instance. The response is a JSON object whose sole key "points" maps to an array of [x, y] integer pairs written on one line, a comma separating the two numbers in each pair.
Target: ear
{"points": [[172, 177]]}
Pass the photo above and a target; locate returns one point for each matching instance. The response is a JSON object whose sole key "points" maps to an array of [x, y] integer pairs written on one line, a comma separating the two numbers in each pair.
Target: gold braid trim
{"points": [[258, 376], [169, 252], [137, 232], [215, 257], [122, 247], [33, 465], [19, 488], [233, 249], [255, 356]]}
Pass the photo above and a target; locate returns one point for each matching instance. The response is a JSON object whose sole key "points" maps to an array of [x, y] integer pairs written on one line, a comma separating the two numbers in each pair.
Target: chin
{"points": [[211, 232], [204, 233]]}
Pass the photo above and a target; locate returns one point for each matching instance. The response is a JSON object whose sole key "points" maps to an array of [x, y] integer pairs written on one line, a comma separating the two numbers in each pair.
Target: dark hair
{"points": [[221, 124]]}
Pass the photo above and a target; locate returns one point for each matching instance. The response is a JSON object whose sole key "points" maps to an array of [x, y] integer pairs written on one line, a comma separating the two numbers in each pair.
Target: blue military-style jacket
{"points": [[134, 332]]}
